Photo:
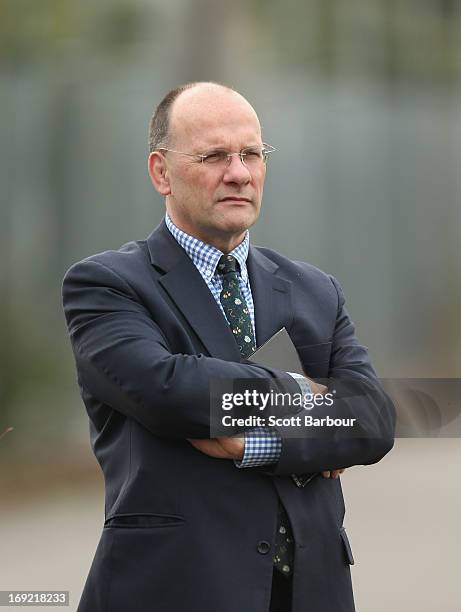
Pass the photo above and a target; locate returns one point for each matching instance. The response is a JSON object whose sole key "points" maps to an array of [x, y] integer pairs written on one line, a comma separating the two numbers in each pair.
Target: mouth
{"points": [[235, 199]]}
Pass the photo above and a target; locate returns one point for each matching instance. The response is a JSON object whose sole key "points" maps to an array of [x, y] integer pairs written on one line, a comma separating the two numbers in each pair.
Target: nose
{"points": [[236, 172]]}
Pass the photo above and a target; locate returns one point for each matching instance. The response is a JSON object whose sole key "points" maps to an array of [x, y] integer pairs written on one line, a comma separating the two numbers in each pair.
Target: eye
{"points": [[214, 157], [252, 153]]}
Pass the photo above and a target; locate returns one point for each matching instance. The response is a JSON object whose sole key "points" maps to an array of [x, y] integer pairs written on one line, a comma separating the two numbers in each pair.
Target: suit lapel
{"points": [[271, 296], [186, 287]]}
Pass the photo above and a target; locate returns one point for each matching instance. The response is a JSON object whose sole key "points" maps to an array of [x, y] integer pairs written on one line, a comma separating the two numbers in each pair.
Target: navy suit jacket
{"points": [[184, 531]]}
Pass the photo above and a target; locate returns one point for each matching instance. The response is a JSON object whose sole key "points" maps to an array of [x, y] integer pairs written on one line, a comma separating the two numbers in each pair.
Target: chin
{"points": [[238, 220]]}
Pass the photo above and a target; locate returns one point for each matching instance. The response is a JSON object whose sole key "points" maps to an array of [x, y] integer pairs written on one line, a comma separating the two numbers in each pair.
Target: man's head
{"points": [[214, 201]]}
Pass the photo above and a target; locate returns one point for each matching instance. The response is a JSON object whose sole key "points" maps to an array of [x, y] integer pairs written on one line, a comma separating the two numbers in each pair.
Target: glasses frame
{"points": [[266, 151]]}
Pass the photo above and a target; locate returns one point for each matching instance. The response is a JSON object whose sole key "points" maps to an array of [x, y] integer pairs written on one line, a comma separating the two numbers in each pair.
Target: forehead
{"points": [[213, 118]]}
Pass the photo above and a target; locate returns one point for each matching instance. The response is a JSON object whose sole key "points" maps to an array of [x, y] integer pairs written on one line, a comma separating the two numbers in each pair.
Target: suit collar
{"points": [[164, 251], [185, 286], [205, 256], [271, 296]]}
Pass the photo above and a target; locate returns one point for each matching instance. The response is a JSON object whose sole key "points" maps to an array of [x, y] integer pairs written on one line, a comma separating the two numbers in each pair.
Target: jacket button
{"points": [[263, 547]]}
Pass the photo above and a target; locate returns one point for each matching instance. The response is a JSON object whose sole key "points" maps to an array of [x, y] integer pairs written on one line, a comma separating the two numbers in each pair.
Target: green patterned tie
{"points": [[238, 317], [235, 307]]}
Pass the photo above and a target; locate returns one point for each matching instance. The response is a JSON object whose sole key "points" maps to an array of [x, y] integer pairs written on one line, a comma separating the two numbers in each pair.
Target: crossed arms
{"points": [[124, 360]]}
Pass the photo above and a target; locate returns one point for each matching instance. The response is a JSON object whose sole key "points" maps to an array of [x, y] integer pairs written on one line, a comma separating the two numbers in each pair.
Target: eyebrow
{"points": [[223, 148]]}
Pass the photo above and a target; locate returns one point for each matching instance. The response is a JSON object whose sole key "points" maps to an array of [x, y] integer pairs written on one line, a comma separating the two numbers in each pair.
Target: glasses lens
{"points": [[253, 157]]}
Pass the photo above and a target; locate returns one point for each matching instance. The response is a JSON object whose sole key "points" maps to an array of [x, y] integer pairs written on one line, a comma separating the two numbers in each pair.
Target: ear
{"points": [[156, 166]]}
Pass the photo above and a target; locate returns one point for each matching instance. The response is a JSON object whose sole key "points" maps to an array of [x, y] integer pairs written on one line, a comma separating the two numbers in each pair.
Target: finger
{"points": [[335, 473], [326, 474], [232, 444], [212, 448], [233, 451]]}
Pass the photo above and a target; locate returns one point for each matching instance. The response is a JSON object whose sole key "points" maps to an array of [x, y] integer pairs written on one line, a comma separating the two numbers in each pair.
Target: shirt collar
{"points": [[205, 256]]}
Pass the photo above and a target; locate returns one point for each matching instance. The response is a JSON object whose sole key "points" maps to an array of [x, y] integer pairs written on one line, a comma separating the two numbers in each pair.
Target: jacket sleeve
{"points": [[123, 359], [358, 396]]}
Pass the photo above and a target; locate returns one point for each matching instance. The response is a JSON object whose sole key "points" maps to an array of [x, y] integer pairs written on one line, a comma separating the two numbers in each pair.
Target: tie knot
{"points": [[227, 264]]}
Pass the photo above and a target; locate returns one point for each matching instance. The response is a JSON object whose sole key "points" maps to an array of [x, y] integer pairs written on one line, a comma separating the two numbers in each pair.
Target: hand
{"points": [[332, 473], [316, 387], [221, 448]]}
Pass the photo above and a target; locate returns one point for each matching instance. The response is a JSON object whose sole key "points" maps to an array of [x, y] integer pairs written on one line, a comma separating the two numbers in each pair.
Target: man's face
{"points": [[214, 202]]}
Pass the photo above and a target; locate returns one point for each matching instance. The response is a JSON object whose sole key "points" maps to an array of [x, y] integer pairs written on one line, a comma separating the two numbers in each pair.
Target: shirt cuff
{"points": [[303, 383], [262, 447]]}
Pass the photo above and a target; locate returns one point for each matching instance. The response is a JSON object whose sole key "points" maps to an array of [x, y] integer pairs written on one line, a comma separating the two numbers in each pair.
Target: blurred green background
{"points": [[361, 99]]}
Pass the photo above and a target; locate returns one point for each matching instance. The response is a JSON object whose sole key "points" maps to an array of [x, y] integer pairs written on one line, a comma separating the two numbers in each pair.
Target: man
{"points": [[232, 522]]}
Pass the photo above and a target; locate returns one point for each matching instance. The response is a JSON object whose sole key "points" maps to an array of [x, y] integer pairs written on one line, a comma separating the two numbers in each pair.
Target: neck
{"points": [[226, 245], [222, 241]]}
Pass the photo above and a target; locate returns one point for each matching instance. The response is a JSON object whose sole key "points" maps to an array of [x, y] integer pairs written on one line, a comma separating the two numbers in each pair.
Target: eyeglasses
{"points": [[251, 157]]}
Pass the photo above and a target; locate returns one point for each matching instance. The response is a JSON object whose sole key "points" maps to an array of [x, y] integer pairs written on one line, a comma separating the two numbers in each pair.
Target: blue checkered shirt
{"points": [[262, 446]]}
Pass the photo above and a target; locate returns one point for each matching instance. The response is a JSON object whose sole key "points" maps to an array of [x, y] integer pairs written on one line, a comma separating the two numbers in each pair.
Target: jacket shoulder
{"points": [[122, 261], [295, 269]]}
